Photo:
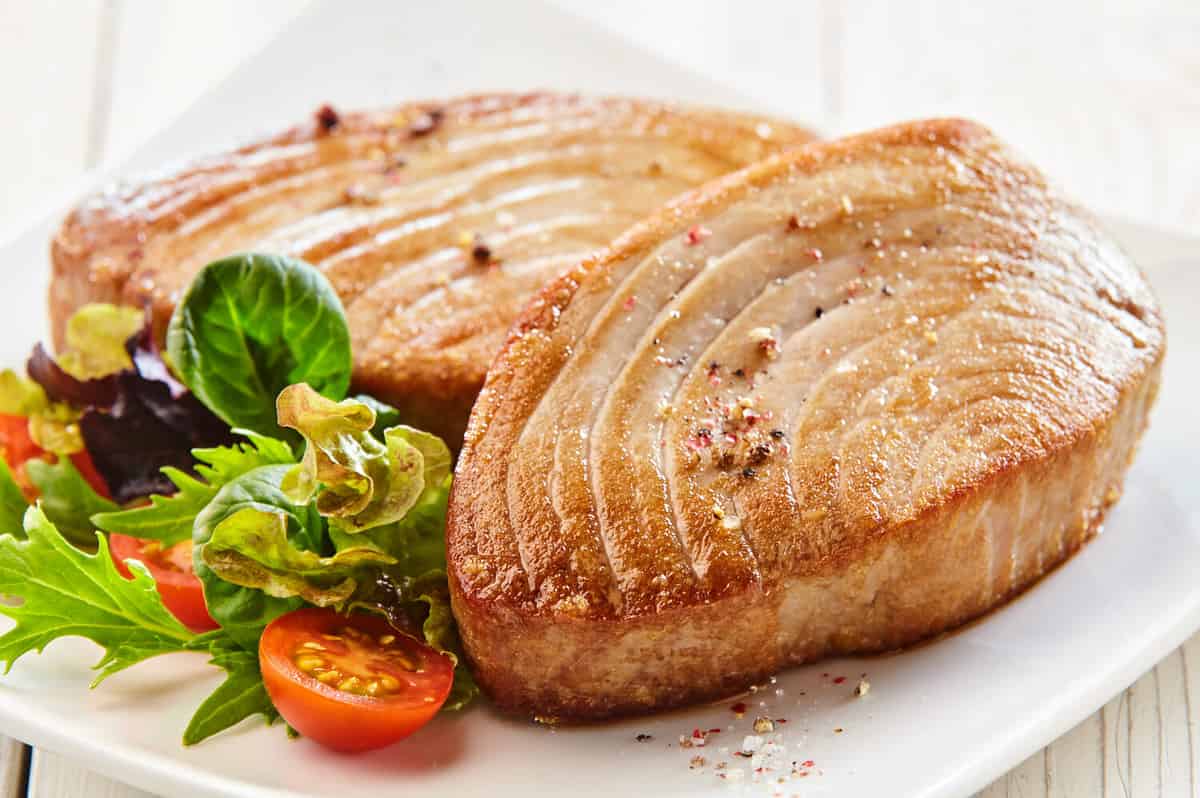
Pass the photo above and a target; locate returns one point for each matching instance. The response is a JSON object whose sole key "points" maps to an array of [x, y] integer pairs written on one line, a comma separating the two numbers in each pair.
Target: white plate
{"points": [[943, 719]]}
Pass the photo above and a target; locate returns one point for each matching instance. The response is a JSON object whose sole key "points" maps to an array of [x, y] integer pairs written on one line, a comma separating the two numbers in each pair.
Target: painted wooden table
{"points": [[1107, 101]]}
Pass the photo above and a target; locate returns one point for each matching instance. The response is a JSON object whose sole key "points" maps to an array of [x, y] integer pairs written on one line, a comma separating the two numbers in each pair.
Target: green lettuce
{"points": [[81, 595], [359, 482], [68, 500], [169, 519], [96, 336], [54, 426]]}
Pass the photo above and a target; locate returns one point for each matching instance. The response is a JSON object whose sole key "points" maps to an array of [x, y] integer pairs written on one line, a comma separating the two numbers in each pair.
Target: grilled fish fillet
{"points": [[434, 222], [838, 402]]}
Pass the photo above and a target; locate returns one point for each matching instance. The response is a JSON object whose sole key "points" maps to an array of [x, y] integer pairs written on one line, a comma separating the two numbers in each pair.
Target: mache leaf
{"points": [[65, 592], [67, 499], [169, 519], [252, 324], [240, 696]]}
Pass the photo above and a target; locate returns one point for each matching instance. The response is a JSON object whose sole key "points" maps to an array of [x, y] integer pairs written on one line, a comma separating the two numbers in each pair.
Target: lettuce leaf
{"points": [[240, 696], [244, 611], [169, 519], [68, 500], [67, 592], [249, 326], [54, 426], [251, 548], [12, 504], [359, 482], [96, 336]]}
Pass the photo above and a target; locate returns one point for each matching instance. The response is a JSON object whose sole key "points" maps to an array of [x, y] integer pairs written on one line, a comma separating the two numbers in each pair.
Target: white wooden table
{"points": [[1105, 97]]}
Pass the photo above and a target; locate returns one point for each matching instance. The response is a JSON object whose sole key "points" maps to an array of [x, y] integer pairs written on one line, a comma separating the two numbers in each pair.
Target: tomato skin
{"points": [[17, 448], [343, 721], [87, 469], [180, 589]]}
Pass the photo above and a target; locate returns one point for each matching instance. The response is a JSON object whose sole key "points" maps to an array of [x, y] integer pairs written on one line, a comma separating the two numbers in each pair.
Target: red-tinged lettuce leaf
{"points": [[136, 421], [62, 387], [144, 431]]}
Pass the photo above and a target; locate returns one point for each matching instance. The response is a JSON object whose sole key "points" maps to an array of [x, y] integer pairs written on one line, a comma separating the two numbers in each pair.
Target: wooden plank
{"points": [[1175, 761], [1145, 736], [1074, 762], [1114, 718], [54, 776], [14, 768]]}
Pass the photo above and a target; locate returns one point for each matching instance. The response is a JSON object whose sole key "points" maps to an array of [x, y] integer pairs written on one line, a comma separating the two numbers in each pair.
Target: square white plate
{"points": [[943, 719]]}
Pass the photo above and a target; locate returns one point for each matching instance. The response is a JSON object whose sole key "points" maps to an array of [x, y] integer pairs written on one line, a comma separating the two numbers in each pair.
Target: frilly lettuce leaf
{"points": [[359, 482], [96, 336], [250, 547], [54, 426]]}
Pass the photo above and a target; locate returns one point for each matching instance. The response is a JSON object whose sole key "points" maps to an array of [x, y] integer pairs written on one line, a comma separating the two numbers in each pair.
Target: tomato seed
{"points": [[329, 676], [352, 684], [388, 683], [387, 640], [312, 645], [309, 662]]}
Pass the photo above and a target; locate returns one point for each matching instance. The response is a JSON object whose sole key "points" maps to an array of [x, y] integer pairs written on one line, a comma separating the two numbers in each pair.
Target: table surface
{"points": [[1107, 102]]}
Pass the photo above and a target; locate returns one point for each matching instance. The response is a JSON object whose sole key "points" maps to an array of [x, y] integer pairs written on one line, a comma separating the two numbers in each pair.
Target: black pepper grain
{"points": [[327, 118], [820, 312], [777, 434]]}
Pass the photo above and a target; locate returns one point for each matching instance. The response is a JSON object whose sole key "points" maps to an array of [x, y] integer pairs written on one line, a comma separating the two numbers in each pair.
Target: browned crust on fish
{"points": [[866, 575], [139, 243]]}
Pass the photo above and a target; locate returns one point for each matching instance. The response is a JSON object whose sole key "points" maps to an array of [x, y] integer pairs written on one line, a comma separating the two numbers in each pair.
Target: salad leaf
{"points": [[251, 548], [61, 386], [66, 592], [134, 420], [169, 519], [240, 696], [20, 396], [385, 415], [67, 499], [244, 611], [54, 426], [96, 336], [358, 481], [249, 326], [12, 503]]}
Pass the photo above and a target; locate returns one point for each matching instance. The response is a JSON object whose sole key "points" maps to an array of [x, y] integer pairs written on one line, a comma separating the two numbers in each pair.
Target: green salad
{"points": [[227, 496]]}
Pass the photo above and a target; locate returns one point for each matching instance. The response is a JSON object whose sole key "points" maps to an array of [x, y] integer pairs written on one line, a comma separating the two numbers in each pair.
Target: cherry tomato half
{"points": [[171, 568], [16, 447], [351, 683]]}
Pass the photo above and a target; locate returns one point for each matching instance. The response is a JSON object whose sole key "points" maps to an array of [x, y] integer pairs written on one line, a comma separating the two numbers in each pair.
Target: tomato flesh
{"points": [[17, 448], [180, 589], [351, 683]]}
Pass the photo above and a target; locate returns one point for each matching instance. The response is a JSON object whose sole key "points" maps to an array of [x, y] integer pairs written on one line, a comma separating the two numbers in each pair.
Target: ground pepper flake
{"points": [[327, 118], [839, 679], [426, 123], [642, 738], [697, 233], [739, 708], [629, 303]]}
